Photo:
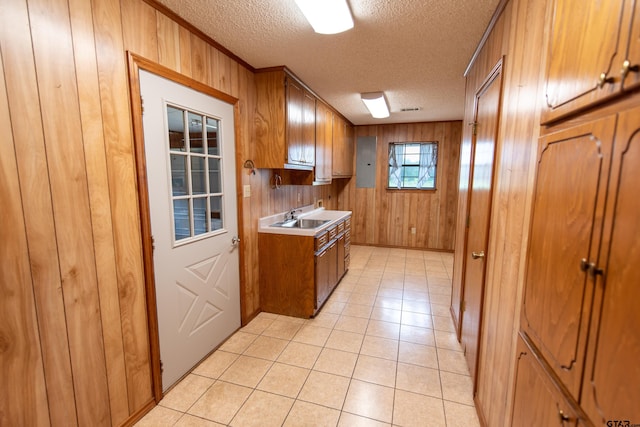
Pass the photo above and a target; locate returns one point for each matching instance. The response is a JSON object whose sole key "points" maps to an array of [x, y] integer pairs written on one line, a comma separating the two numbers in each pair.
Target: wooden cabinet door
{"points": [[612, 378], [308, 143], [537, 400], [301, 124], [322, 277], [324, 133], [568, 206], [632, 76], [339, 132], [342, 148], [340, 256], [585, 42], [295, 104]]}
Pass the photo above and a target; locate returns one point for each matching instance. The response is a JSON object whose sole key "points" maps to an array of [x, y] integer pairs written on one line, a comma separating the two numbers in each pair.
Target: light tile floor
{"points": [[381, 352]]}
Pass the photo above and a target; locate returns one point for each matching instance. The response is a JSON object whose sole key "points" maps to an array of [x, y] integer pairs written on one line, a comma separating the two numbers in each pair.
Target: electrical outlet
{"points": [[246, 190], [413, 230]]}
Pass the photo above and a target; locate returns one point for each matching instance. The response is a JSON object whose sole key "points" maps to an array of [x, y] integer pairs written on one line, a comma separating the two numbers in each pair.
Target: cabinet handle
{"points": [[626, 67], [563, 417], [590, 267], [603, 79], [584, 264], [476, 255]]}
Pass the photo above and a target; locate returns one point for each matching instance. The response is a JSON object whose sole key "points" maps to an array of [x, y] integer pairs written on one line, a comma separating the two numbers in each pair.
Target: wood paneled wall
{"points": [[385, 217], [518, 35], [74, 343]]}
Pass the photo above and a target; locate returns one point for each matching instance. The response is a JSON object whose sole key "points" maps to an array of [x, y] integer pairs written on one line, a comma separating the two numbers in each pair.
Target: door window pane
{"points": [[179, 183], [195, 133], [198, 178], [213, 126], [175, 121], [200, 216], [215, 179], [216, 213], [181, 219]]}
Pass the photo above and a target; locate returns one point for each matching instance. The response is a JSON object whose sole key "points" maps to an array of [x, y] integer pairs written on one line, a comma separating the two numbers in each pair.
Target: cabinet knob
{"points": [[476, 255], [627, 67], [590, 267], [563, 417], [584, 264], [603, 79]]}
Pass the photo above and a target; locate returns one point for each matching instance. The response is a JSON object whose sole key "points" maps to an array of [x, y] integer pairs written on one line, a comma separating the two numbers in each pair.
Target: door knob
{"points": [[235, 240], [476, 255]]}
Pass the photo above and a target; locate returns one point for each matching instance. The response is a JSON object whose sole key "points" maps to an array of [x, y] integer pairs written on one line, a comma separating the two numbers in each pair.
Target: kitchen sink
{"points": [[300, 223]]}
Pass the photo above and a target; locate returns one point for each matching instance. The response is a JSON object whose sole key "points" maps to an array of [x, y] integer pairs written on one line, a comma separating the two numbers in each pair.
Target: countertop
{"points": [[307, 212]]}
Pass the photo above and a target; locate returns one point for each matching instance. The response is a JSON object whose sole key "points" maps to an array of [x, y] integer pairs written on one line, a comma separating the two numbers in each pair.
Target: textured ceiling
{"points": [[415, 51]]}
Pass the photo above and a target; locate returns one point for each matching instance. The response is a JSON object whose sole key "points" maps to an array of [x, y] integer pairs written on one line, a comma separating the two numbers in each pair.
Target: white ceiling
{"points": [[415, 51]]}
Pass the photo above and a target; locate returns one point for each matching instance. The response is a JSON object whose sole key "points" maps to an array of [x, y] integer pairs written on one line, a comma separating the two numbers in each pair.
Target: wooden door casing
{"points": [[568, 207], [479, 213], [612, 374]]}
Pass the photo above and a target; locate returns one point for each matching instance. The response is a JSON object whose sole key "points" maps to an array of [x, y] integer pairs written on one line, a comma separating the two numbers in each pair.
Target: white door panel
{"points": [[191, 181]]}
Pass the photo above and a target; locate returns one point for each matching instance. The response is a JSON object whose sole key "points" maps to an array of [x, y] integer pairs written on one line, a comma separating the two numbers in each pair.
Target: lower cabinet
{"points": [[539, 401], [298, 273], [326, 268]]}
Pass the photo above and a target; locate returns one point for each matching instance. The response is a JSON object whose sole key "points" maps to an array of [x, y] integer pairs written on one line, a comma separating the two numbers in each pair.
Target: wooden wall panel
{"points": [[21, 364], [98, 185], [519, 130], [139, 28], [518, 36], [44, 286], [168, 42], [385, 217], [53, 54], [116, 121]]}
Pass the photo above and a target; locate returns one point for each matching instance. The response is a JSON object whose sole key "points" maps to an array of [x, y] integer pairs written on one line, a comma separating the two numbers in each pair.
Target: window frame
{"points": [[391, 145]]}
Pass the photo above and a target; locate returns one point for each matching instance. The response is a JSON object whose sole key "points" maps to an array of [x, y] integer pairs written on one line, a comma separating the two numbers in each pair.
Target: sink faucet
{"points": [[291, 214]]}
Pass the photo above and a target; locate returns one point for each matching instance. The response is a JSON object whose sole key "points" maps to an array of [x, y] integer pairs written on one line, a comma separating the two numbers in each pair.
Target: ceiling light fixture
{"points": [[327, 16], [376, 103]]}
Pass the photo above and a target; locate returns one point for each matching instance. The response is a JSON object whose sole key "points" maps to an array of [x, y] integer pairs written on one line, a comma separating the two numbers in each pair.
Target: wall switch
{"points": [[413, 230], [319, 203], [299, 197], [246, 190]]}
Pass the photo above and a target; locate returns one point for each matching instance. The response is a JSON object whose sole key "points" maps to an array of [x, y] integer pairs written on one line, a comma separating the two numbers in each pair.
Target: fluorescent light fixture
{"points": [[327, 16], [376, 103]]}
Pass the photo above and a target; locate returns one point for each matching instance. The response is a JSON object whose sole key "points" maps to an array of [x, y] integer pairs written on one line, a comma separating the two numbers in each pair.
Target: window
{"points": [[196, 173], [412, 165]]}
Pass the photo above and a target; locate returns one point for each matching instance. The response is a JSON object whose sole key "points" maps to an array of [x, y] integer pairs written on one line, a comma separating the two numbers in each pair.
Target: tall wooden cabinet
{"points": [[579, 341], [342, 148], [285, 122], [324, 145]]}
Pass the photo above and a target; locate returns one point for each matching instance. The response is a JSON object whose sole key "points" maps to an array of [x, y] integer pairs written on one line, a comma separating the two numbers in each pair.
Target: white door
{"points": [[189, 149]]}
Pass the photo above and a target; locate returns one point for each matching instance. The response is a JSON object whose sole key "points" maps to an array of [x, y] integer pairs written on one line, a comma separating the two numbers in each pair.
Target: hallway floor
{"points": [[381, 352]]}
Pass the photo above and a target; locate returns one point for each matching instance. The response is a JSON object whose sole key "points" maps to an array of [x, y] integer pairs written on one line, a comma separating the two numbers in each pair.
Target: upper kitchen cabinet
{"points": [[594, 54], [342, 148], [285, 122], [324, 145]]}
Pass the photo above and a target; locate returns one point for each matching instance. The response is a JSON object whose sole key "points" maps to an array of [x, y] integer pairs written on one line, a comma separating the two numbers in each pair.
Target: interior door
{"points": [[190, 160], [486, 131]]}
